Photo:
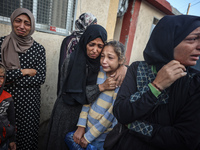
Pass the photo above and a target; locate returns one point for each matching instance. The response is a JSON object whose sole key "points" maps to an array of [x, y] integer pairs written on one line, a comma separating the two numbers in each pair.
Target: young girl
{"points": [[96, 119]]}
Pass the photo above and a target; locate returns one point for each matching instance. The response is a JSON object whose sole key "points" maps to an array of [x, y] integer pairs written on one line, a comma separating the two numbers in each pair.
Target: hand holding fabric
{"points": [[79, 134], [83, 142]]}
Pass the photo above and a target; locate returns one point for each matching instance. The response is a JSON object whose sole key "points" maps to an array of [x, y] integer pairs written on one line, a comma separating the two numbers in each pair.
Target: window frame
{"points": [[48, 28]]}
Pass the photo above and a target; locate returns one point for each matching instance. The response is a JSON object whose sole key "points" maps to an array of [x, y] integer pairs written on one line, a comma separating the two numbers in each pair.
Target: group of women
{"points": [[158, 101]]}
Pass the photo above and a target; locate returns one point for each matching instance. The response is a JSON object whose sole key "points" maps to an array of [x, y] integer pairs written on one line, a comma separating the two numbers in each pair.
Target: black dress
{"points": [[26, 94], [158, 123]]}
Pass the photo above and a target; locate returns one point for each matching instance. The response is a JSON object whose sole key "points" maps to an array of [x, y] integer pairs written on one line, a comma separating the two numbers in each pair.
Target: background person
{"points": [[159, 99], [7, 115], [69, 43], [25, 62]]}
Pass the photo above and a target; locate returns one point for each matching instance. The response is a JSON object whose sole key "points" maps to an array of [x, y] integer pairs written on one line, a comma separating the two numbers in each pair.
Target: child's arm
{"points": [[103, 124], [34, 76], [93, 91], [81, 124], [80, 131]]}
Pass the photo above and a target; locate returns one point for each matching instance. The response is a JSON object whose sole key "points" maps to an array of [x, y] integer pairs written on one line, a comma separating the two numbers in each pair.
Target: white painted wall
{"points": [[145, 19]]}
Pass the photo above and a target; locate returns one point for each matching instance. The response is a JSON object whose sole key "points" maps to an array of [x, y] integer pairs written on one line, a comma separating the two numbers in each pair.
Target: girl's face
{"points": [[22, 25], [94, 48], [188, 51], [109, 60]]}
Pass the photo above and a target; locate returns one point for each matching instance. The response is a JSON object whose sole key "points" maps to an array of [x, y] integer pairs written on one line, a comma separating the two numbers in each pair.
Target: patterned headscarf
{"points": [[83, 22], [13, 44]]}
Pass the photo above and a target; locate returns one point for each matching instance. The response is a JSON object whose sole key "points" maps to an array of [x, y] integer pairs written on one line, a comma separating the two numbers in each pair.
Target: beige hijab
{"points": [[13, 44]]}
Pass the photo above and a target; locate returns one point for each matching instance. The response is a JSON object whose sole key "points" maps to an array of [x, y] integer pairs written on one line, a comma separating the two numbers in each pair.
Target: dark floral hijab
{"points": [[83, 22]]}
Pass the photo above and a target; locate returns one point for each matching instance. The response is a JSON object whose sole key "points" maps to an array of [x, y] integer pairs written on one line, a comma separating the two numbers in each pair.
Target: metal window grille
{"points": [[55, 16]]}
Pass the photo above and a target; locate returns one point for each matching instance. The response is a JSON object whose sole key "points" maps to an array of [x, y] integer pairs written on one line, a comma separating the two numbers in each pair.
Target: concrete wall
{"points": [[104, 10], [118, 28], [145, 20], [51, 43]]}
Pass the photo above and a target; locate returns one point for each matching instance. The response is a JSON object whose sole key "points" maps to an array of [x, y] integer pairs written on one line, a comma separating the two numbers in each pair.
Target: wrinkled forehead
{"points": [[24, 15]]}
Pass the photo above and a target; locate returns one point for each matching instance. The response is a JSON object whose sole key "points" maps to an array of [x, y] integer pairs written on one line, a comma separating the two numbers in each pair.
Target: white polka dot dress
{"points": [[26, 94]]}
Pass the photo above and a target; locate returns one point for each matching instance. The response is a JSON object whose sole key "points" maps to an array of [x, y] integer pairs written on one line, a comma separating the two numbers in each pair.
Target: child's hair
{"points": [[2, 68], [118, 48]]}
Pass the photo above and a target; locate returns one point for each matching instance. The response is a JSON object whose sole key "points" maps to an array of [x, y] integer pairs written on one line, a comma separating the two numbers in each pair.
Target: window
{"points": [[155, 21], [55, 16]]}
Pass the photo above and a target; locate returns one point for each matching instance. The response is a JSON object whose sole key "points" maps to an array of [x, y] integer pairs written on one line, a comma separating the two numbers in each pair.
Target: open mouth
{"points": [[195, 57], [20, 32]]}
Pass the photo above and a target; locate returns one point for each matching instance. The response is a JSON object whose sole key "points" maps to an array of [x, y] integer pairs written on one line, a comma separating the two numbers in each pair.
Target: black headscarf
{"points": [[167, 34], [77, 80]]}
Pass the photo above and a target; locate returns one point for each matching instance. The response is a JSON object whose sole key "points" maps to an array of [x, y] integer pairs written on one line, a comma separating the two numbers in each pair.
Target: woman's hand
{"points": [[79, 134], [29, 72], [119, 74], [83, 142], [12, 146], [109, 84], [168, 74]]}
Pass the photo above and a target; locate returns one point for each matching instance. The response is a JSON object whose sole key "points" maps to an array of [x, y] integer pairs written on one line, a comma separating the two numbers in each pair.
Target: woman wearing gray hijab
{"points": [[25, 63]]}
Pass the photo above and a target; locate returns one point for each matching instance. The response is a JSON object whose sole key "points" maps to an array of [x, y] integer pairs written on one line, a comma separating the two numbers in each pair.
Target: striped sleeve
{"points": [[102, 125], [83, 116]]}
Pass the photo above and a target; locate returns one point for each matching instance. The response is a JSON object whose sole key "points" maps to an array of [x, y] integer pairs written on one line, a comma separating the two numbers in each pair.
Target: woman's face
{"points": [[94, 48], [22, 25], [188, 51]]}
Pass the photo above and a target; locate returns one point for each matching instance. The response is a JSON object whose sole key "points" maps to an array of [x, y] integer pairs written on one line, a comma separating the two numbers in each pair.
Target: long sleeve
{"points": [[83, 116], [92, 92], [183, 134], [102, 124], [39, 63], [174, 125], [127, 111]]}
